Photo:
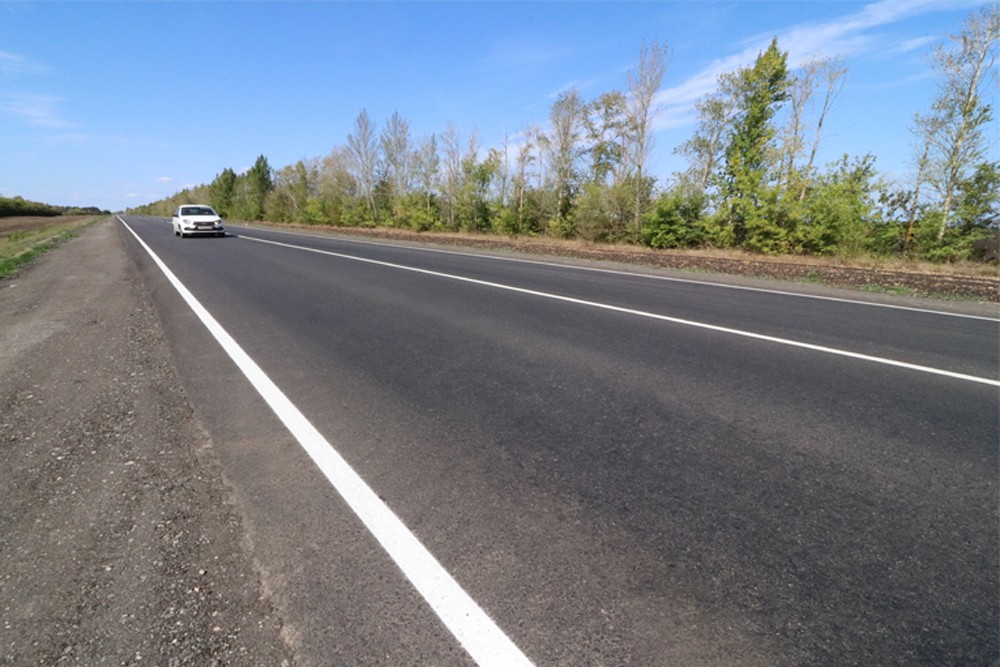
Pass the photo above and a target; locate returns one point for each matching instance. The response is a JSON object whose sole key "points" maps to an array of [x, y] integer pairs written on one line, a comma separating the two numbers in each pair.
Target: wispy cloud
{"points": [[520, 52], [35, 109], [847, 36], [573, 85], [38, 110], [13, 64], [911, 45]]}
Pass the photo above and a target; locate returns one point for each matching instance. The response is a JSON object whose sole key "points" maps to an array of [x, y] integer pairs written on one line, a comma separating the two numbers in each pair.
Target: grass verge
{"points": [[19, 247]]}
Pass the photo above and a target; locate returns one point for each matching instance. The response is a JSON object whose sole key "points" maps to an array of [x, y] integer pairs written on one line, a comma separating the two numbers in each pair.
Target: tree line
{"points": [[18, 206], [752, 181]]}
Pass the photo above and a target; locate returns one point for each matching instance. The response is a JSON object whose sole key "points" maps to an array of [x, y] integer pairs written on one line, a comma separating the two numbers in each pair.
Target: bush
{"points": [[676, 221]]}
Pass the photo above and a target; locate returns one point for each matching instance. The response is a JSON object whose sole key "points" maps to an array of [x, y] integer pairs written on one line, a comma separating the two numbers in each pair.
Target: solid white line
{"points": [[641, 313], [471, 626], [649, 276]]}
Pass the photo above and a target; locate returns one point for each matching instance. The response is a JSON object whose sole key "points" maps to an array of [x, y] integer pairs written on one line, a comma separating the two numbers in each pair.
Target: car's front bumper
{"points": [[203, 229]]}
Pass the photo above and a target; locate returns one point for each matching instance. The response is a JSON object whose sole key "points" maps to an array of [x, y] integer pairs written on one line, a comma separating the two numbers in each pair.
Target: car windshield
{"points": [[197, 210]]}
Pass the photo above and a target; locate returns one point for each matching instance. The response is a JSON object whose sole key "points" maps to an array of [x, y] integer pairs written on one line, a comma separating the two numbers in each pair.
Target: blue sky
{"points": [[117, 104]]}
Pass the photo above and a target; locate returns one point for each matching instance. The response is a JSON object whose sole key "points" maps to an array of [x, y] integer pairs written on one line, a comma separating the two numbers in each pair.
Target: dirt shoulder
{"points": [[118, 543]]}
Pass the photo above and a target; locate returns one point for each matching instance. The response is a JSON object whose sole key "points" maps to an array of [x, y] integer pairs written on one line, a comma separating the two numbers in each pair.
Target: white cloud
{"points": [[164, 179]]}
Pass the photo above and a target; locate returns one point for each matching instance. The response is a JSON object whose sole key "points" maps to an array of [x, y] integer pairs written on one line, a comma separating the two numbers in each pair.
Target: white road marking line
{"points": [[471, 626], [650, 276], [646, 314]]}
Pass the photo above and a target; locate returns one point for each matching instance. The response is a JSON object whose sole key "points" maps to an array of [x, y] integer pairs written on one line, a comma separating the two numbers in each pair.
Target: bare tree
{"points": [[925, 126], [643, 84], [395, 141], [705, 148], [564, 149], [525, 158], [363, 146], [800, 92], [427, 165], [452, 183], [503, 171], [834, 73], [954, 128]]}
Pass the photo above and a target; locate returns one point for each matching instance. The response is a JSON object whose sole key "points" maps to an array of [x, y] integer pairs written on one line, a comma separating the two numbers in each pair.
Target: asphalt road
{"points": [[617, 467]]}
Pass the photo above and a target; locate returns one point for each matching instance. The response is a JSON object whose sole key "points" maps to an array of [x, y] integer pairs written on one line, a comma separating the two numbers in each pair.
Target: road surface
{"points": [[612, 467]]}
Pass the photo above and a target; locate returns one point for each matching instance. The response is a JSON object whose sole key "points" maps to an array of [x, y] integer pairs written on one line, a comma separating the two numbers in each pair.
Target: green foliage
{"points": [[19, 206], [979, 200], [506, 222], [221, 192], [676, 221], [839, 210], [259, 183], [415, 212], [759, 91]]}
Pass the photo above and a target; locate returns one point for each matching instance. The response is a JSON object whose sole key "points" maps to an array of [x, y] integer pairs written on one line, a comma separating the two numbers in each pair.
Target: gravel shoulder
{"points": [[119, 542]]}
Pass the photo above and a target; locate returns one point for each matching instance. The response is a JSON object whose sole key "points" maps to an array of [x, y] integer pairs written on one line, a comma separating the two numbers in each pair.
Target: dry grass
{"points": [[24, 238]]}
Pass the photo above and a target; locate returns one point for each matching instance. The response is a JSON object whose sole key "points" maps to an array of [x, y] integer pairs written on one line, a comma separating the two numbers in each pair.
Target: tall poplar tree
{"points": [[761, 90]]}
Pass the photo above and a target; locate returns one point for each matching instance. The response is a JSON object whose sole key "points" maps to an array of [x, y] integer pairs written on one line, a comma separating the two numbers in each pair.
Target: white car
{"points": [[197, 219]]}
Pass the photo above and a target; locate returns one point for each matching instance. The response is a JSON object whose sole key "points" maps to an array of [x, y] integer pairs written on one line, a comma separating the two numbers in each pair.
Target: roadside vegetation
{"points": [[22, 239], [19, 206], [752, 182]]}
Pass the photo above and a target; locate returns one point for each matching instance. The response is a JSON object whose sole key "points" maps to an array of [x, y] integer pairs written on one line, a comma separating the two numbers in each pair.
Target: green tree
{"points": [[749, 156], [978, 201], [605, 123], [676, 219], [473, 206], [221, 192], [259, 182], [839, 210]]}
